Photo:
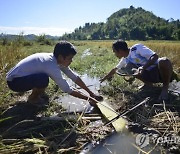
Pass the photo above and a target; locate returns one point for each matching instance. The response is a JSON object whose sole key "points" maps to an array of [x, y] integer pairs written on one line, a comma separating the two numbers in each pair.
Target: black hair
{"points": [[64, 48], [120, 45]]}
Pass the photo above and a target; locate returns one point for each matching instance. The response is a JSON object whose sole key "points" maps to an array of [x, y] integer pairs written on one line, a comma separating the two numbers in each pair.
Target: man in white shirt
{"points": [[33, 72], [150, 68]]}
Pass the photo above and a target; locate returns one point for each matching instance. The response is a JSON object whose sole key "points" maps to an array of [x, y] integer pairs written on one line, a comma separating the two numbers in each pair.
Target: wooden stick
{"points": [[57, 118], [124, 113]]}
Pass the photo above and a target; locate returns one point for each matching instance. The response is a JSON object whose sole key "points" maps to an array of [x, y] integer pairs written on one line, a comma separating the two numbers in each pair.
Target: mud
{"points": [[23, 120]]}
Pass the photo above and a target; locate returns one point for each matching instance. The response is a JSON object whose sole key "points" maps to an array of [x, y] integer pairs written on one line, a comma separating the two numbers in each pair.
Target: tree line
{"points": [[128, 24]]}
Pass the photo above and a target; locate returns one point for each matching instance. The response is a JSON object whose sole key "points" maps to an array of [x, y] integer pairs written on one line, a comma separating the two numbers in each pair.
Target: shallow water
{"points": [[122, 143], [72, 104], [117, 143]]}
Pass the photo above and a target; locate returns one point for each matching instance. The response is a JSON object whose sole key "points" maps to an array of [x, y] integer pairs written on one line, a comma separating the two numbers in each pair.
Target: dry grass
{"points": [[9, 55], [166, 121], [169, 49]]}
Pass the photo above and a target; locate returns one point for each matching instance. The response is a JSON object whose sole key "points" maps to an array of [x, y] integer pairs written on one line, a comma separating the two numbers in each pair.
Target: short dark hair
{"points": [[64, 48], [120, 45]]}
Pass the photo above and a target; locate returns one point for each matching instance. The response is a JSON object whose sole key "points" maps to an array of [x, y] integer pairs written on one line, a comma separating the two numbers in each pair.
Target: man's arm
{"points": [[109, 75], [80, 83], [55, 75], [147, 53], [150, 62], [77, 94]]}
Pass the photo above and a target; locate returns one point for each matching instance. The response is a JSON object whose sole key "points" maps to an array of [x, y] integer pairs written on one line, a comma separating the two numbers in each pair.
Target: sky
{"points": [[56, 17]]}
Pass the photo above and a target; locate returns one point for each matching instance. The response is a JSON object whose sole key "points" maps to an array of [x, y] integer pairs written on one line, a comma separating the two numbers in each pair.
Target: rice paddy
{"points": [[70, 136]]}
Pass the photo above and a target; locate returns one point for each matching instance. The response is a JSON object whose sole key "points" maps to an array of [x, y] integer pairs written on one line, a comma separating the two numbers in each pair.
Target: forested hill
{"points": [[129, 24]]}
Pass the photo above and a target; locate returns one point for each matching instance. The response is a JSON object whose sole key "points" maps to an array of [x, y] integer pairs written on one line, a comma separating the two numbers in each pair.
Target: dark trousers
{"points": [[22, 84]]}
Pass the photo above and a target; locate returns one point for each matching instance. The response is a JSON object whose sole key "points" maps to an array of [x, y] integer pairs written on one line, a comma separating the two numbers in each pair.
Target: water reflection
{"points": [[117, 143], [121, 143], [73, 104]]}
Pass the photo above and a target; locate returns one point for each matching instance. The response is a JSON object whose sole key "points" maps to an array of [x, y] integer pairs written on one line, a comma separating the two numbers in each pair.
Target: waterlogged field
{"points": [[100, 60], [94, 58], [102, 53]]}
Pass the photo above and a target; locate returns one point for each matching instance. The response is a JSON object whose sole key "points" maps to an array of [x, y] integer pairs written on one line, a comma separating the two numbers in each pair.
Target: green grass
{"points": [[101, 61], [36, 47]]}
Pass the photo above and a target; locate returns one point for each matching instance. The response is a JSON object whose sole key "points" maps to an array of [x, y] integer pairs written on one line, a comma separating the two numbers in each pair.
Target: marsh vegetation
{"points": [[23, 132]]}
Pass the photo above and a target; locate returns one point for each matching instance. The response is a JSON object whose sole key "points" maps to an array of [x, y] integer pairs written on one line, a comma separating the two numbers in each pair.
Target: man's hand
{"points": [[139, 71], [92, 101], [109, 75]]}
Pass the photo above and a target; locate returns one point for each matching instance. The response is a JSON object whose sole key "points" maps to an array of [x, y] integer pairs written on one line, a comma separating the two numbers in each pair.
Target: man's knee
{"points": [[164, 62], [166, 70]]}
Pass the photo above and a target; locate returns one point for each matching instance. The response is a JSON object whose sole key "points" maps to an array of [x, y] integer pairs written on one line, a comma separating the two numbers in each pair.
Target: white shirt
{"points": [[139, 54], [43, 63]]}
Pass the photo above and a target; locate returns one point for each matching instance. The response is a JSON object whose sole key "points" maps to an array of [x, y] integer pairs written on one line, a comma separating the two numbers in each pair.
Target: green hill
{"points": [[129, 24]]}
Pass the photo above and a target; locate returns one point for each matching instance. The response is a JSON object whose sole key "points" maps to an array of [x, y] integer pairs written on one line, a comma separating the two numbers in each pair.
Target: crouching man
{"points": [[33, 72], [150, 68]]}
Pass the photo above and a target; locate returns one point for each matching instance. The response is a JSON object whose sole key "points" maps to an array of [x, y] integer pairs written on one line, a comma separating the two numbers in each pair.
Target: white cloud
{"points": [[54, 31]]}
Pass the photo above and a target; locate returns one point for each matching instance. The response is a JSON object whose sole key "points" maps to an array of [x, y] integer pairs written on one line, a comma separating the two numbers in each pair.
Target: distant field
{"points": [[170, 49], [99, 62]]}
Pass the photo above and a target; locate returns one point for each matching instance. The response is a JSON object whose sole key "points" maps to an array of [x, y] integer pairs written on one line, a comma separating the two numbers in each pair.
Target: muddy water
{"points": [[122, 143], [72, 104], [117, 143]]}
